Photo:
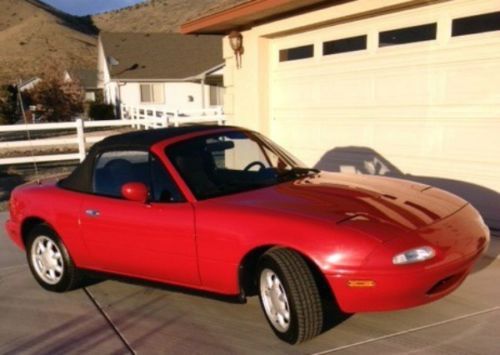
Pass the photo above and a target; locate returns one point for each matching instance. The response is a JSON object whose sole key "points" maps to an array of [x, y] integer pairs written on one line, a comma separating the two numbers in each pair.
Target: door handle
{"points": [[92, 213]]}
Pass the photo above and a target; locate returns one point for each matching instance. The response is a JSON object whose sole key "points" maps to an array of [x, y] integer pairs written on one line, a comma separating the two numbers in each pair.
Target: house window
{"points": [[90, 96], [296, 53], [344, 45], [476, 24], [216, 95], [152, 94], [408, 35]]}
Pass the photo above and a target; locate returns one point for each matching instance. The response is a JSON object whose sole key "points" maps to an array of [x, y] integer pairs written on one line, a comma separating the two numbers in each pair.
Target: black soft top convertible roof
{"points": [[81, 178], [145, 139]]}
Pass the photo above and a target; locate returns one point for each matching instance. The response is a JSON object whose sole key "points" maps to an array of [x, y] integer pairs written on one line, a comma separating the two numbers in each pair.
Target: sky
{"points": [[88, 7]]}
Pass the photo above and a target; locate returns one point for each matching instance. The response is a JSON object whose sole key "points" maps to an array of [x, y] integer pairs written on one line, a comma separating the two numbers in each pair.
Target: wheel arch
{"points": [[249, 263], [28, 224]]}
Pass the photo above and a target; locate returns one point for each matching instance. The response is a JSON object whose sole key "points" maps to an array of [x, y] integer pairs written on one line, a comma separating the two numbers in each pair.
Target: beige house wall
{"points": [[430, 109]]}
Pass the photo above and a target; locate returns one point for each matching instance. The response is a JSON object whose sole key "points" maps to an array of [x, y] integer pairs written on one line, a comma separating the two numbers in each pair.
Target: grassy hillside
{"points": [[158, 15], [34, 35]]}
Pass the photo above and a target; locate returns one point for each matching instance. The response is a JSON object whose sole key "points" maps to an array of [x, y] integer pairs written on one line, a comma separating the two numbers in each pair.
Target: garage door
{"points": [[415, 92]]}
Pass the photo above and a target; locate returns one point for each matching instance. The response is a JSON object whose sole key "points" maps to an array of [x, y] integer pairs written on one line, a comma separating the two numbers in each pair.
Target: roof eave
{"points": [[186, 79], [245, 15]]}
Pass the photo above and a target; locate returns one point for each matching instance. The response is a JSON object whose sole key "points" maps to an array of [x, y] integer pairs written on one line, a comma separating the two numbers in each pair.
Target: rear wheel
{"points": [[289, 296], [49, 260]]}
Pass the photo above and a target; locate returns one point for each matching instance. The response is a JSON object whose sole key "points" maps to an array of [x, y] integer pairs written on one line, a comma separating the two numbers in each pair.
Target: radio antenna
{"points": [[28, 133]]}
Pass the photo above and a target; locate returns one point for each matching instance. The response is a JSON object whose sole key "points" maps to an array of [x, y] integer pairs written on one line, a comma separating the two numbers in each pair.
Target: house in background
{"points": [[28, 84], [88, 80], [167, 71], [346, 85]]}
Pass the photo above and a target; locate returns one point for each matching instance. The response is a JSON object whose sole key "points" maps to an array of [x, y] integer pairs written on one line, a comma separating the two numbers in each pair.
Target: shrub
{"points": [[100, 111], [61, 100], [8, 105]]}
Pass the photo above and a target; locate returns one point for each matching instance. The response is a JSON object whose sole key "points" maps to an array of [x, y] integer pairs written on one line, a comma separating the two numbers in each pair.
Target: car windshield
{"points": [[232, 162]]}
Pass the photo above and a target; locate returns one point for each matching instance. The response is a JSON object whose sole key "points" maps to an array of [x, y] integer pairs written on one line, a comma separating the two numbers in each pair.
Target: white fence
{"points": [[170, 116], [137, 120]]}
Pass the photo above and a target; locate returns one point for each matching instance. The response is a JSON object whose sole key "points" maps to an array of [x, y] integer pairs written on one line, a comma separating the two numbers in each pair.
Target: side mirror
{"points": [[135, 191]]}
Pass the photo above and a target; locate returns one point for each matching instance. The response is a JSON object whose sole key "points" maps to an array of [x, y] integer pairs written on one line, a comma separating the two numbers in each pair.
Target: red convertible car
{"points": [[225, 210]]}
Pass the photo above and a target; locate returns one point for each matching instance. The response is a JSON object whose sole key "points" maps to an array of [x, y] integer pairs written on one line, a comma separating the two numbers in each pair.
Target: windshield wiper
{"points": [[297, 172]]}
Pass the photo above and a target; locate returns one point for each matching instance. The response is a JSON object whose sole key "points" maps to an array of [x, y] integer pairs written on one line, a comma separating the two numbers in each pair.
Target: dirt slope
{"points": [[34, 35], [158, 15]]}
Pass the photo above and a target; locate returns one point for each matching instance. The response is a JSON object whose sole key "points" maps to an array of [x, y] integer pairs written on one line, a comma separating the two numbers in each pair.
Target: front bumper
{"points": [[401, 288], [459, 240]]}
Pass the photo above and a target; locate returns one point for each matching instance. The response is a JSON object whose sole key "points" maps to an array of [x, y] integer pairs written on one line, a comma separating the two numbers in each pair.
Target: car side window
{"points": [[113, 169], [163, 188]]}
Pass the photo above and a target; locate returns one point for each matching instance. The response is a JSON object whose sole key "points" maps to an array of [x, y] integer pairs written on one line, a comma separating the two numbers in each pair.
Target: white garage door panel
{"points": [[474, 82], [431, 109], [324, 93], [411, 87]]}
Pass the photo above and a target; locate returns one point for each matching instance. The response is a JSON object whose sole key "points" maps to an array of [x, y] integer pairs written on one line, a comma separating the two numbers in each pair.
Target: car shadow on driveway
{"points": [[332, 314], [365, 160]]}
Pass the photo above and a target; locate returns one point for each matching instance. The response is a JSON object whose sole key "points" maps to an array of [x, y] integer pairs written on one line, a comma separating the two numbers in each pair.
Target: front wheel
{"points": [[289, 296], [49, 260]]}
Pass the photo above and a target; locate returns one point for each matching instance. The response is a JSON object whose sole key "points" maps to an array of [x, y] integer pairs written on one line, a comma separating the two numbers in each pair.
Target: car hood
{"points": [[341, 197]]}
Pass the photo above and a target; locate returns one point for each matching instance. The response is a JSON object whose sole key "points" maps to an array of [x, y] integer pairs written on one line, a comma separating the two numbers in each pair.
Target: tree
{"points": [[59, 99], [8, 104]]}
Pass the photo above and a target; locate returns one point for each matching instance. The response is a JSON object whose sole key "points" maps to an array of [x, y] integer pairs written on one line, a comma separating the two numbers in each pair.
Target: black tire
{"points": [[301, 292], [69, 277]]}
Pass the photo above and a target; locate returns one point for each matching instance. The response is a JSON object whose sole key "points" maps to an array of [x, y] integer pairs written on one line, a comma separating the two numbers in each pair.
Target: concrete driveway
{"points": [[113, 317]]}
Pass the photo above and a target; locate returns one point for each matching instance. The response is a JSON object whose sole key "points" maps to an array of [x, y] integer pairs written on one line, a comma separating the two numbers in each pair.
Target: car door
{"points": [[153, 240]]}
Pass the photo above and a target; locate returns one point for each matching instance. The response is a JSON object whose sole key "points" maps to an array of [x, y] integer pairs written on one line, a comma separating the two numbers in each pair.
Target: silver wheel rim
{"points": [[274, 300], [47, 260]]}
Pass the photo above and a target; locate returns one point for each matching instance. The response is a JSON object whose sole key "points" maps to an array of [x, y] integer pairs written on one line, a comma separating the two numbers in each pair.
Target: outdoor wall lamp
{"points": [[236, 42]]}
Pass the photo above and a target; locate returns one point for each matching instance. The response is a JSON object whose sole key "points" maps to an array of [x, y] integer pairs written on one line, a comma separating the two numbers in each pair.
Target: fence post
{"points": [[165, 118], [80, 136], [220, 116], [176, 118]]}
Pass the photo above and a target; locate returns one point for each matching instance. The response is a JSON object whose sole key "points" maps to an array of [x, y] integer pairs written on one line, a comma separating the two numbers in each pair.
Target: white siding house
{"points": [[160, 71]]}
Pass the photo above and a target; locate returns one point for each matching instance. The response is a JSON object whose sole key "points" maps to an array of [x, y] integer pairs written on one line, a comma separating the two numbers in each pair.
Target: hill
{"points": [[34, 36], [158, 15]]}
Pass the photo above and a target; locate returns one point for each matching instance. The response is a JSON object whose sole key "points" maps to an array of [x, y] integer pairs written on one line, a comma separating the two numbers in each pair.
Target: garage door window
{"points": [[476, 24], [297, 53], [344, 45], [408, 35]]}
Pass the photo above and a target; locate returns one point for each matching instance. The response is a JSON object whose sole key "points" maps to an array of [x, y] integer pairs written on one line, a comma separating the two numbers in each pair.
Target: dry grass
{"points": [[159, 15], [32, 37]]}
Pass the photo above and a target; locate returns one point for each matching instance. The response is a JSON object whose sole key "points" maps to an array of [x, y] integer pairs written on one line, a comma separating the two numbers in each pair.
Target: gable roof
{"points": [[87, 77], [168, 56], [29, 83]]}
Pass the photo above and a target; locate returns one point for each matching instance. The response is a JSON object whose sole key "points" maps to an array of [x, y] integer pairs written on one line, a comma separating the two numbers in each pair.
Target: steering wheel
{"points": [[255, 163]]}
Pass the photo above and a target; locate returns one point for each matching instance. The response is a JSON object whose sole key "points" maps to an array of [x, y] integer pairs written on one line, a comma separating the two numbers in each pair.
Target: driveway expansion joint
{"points": [[109, 321], [408, 331]]}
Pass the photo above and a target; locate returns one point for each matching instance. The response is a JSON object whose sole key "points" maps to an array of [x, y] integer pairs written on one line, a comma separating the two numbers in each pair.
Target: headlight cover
{"points": [[415, 255]]}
